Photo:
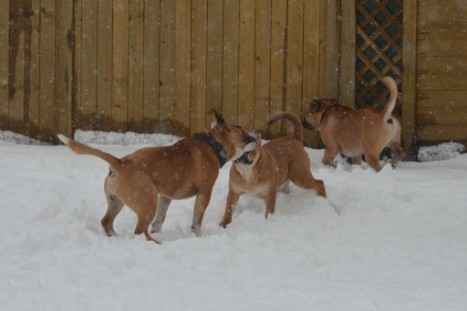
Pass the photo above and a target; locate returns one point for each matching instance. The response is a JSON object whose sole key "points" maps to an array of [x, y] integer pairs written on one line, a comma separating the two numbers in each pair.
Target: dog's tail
{"points": [[391, 85], [78, 148], [298, 129]]}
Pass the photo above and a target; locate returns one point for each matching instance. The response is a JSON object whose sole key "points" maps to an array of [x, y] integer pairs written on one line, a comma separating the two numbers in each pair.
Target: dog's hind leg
{"points": [[114, 206], [144, 221], [329, 154], [162, 207], [373, 161], [201, 203], [397, 154], [308, 182], [145, 210], [301, 176], [142, 227]]}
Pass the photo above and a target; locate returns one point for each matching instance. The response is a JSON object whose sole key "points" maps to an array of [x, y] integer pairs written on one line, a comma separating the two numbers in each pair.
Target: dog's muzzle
{"points": [[307, 125], [245, 159], [249, 139], [250, 143]]}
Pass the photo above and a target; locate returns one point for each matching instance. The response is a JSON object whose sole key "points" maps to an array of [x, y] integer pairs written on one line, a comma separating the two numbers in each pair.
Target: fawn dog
{"points": [[269, 168], [353, 132], [148, 179]]}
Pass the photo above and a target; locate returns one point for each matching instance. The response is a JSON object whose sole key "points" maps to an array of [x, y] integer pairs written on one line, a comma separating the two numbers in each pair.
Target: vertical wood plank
{"points": [[167, 62], [4, 61], [198, 65], [32, 126], [230, 61], [16, 66], [328, 70], [246, 92], [89, 65], [310, 62], [120, 66], [77, 50], [64, 62], [409, 74], [135, 79], [182, 65], [278, 57], [311, 50], [214, 55], [151, 64], [347, 52], [294, 56], [47, 67], [262, 64], [27, 64], [104, 65]]}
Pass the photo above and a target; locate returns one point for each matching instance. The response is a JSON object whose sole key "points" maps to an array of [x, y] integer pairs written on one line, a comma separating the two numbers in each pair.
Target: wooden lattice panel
{"points": [[378, 48]]}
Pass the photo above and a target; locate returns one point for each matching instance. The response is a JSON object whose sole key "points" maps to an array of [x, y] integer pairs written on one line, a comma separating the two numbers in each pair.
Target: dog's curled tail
{"points": [[298, 129], [391, 85], [79, 148]]}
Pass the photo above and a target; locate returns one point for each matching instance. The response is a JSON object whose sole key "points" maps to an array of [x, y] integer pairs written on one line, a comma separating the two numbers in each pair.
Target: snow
{"points": [[442, 151], [399, 241]]}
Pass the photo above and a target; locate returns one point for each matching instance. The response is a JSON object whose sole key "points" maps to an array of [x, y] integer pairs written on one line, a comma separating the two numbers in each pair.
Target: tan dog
{"points": [[353, 132], [148, 179], [269, 168]]}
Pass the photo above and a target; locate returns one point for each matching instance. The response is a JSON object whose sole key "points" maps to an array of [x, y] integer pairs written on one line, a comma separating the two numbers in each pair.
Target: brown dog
{"points": [[148, 179], [353, 132], [269, 168]]}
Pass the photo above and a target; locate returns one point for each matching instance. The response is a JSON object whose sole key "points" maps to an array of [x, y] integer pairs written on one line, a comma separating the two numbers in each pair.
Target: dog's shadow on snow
{"points": [[174, 234]]}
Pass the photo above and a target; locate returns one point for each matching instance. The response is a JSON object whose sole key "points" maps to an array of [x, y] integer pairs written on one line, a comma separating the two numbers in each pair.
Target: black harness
{"points": [[326, 112], [215, 145]]}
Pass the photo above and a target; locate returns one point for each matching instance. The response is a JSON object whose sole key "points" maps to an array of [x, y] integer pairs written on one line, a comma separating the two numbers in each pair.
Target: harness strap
{"points": [[215, 145], [326, 112]]}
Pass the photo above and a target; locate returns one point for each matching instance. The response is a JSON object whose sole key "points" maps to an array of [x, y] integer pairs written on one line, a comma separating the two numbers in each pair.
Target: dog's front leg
{"points": [[230, 204], [201, 203], [270, 201], [162, 207]]}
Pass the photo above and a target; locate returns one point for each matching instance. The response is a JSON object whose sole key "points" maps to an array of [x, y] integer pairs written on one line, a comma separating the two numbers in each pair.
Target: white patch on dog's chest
{"points": [[260, 190], [251, 184], [245, 172]]}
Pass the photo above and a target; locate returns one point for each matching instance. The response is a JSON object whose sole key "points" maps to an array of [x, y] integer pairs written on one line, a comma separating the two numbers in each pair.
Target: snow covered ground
{"points": [[399, 242]]}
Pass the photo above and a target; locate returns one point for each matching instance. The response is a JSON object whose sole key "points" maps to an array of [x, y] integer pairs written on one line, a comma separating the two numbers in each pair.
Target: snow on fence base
{"points": [[444, 151]]}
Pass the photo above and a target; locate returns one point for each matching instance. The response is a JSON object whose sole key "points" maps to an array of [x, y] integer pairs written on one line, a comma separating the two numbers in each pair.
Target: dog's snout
{"points": [[249, 139], [307, 125]]}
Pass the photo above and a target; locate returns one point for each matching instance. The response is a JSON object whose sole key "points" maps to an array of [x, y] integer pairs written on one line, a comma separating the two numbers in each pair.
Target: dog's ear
{"points": [[258, 140], [315, 106], [219, 118], [220, 124]]}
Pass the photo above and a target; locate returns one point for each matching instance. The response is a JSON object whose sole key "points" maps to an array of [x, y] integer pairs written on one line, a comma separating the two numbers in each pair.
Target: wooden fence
{"points": [[441, 110], [160, 65]]}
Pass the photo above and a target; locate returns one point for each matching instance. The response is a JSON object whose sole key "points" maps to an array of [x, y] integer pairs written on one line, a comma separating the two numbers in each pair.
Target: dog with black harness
{"points": [[357, 132]]}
